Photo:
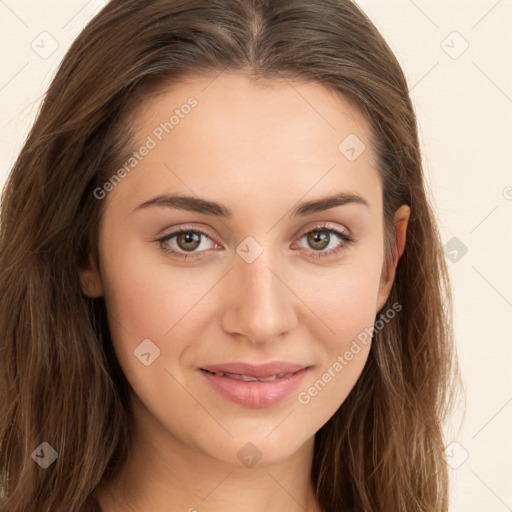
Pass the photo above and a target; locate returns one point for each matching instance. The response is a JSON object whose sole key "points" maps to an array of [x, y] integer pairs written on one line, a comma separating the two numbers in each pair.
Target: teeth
{"points": [[250, 378], [267, 379], [233, 376]]}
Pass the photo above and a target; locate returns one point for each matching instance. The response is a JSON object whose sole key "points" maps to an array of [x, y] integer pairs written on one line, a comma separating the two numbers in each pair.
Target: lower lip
{"points": [[254, 394]]}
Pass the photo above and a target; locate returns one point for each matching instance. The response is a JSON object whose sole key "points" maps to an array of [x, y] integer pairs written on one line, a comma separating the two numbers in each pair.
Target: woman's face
{"points": [[248, 287]]}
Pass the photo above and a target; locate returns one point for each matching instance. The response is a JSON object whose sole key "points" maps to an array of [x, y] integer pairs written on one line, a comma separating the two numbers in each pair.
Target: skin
{"points": [[259, 149]]}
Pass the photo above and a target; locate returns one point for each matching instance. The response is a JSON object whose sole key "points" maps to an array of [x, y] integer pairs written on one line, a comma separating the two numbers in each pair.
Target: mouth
{"points": [[254, 386]]}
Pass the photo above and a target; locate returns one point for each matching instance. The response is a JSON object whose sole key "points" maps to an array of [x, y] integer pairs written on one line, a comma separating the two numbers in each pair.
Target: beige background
{"points": [[464, 104]]}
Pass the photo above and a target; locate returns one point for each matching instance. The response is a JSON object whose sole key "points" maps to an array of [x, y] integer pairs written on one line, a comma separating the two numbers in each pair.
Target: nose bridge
{"points": [[260, 307]]}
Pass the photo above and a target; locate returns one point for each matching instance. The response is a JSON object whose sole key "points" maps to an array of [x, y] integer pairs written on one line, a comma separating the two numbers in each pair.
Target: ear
{"points": [[401, 219], [90, 278]]}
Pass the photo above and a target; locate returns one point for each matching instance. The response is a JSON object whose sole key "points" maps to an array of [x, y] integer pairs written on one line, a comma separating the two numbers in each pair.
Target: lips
{"points": [[252, 385]]}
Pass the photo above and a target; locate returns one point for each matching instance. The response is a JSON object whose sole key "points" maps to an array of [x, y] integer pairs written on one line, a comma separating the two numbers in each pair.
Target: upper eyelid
{"points": [[315, 225]]}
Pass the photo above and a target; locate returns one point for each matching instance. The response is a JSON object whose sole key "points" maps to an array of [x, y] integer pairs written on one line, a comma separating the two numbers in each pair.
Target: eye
{"points": [[188, 241], [321, 237]]}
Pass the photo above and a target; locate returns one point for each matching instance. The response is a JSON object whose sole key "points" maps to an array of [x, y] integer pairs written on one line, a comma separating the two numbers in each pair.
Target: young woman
{"points": [[223, 287]]}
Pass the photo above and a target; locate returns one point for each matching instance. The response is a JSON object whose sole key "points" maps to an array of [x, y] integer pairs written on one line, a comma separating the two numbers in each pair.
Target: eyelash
{"points": [[345, 237]]}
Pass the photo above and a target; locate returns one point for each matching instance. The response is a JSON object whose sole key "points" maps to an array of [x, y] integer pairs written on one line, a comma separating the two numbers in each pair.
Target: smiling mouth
{"points": [[254, 386]]}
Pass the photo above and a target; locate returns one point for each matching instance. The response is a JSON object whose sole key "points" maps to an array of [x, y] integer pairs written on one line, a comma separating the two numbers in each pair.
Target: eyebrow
{"points": [[198, 205]]}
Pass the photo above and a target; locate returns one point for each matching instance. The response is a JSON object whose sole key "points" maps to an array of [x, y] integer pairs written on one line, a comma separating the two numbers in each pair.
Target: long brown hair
{"points": [[60, 382]]}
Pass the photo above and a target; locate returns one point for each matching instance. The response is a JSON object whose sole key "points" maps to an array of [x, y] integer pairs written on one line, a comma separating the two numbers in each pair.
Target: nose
{"points": [[259, 303]]}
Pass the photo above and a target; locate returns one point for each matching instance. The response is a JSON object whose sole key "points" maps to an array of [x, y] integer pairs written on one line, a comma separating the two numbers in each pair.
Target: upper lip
{"points": [[256, 370]]}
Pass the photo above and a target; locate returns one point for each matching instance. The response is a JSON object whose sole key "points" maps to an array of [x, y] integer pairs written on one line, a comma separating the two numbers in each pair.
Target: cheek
{"points": [[346, 306], [135, 296], [345, 299]]}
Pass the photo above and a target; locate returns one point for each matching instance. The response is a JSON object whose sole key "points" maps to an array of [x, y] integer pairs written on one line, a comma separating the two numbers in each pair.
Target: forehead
{"points": [[227, 134], [235, 105]]}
